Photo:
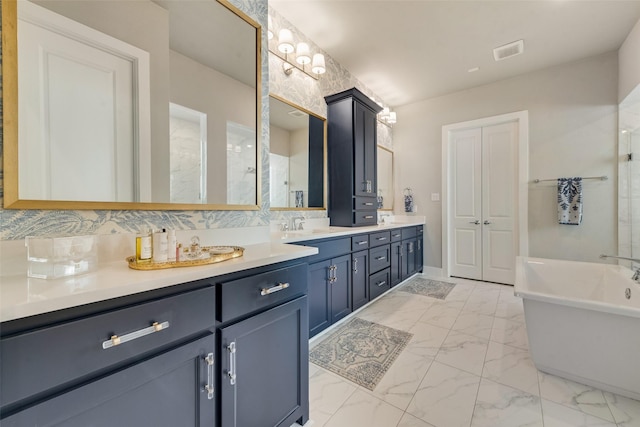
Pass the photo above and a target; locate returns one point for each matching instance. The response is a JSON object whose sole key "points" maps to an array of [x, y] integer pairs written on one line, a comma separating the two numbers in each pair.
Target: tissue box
{"points": [[55, 257]]}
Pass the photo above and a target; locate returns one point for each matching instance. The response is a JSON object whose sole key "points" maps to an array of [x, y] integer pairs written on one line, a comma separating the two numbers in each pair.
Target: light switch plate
{"points": [[435, 197]]}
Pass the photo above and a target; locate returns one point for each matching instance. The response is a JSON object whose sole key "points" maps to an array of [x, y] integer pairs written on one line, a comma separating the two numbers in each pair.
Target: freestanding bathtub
{"points": [[583, 321]]}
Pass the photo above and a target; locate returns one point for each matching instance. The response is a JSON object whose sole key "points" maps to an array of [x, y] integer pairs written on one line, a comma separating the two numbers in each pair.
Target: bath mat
{"points": [[360, 351], [428, 287]]}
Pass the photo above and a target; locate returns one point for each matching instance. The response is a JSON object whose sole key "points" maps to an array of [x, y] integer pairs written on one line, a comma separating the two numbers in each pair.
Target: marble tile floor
{"points": [[467, 365]]}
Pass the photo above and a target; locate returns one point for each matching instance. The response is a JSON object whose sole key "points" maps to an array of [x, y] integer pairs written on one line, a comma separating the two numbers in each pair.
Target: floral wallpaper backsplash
{"points": [[298, 88]]}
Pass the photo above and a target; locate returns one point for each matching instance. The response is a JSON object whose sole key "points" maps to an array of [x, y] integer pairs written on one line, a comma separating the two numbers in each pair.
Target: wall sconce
{"points": [[387, 117], [301, 55]]}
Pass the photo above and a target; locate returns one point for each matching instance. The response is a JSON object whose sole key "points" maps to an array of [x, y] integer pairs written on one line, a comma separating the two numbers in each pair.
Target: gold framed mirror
{"points": [[165, 118], [385, 179], [297, 158]]}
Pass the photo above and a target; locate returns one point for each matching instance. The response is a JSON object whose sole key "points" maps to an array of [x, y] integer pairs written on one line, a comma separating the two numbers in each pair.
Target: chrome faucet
{"points": [[636, 271], [297, 226]]}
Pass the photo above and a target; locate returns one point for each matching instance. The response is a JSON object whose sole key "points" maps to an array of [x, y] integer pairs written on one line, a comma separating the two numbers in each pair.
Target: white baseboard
{"points": [[432, 271]]}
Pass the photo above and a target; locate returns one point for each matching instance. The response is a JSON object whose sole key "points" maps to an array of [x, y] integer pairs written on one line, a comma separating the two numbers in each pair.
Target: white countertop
{"points": [[324, 233], [21, 296]]}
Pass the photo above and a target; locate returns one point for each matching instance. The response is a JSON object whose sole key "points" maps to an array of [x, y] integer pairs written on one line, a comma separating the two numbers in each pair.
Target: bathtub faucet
{"points": [[636, 272]]}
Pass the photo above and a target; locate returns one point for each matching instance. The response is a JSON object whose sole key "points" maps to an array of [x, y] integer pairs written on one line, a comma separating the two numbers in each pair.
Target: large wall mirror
{"points": [[385, 179], [297, 157], [629, 175], [140, 104]]}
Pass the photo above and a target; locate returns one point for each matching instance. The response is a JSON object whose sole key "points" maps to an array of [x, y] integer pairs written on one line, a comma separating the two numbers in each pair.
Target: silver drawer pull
{"points": [[278, 287], [380, 258], [368, 204], [210, 376], [232, 363], [397, 235], [384, 282], [368, 217], [364, 242], [116, 340], [381, 238]]}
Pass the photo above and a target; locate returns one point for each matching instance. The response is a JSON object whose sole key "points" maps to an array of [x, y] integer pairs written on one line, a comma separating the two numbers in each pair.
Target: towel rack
{"points": [[601, 178]]}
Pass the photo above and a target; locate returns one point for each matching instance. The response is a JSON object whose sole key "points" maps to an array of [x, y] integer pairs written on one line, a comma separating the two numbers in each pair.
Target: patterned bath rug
{"points": [[360, 351], [428, 287]]}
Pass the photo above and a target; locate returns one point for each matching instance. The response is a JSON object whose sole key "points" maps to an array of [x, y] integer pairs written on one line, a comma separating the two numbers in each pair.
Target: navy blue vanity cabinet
{"points": [[263, 349], [143, 360], [396, 263], [330, 282], [360, 279], [352, 162], [419, 248]]}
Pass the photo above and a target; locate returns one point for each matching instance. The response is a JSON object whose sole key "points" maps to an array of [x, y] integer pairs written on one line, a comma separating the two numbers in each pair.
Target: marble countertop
{"points": [[324, 233], [21, 296]]}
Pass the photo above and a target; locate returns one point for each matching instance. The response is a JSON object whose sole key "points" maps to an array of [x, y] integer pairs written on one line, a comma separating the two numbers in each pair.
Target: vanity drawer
{"points": [[365, 218], [364, 203], [240, 297], [420, 230], [379, 283], [379, 258], [360, 242], [381, 238], [408, 232], [396, 235], [66, 354]]}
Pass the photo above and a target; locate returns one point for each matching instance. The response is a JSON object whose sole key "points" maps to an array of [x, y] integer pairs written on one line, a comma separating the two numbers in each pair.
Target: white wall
{"points": [[572, 132], [629, 65]]}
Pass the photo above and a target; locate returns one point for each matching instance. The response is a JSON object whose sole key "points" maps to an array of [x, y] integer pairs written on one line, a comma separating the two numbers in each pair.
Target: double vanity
{"points": [[218, 345]]}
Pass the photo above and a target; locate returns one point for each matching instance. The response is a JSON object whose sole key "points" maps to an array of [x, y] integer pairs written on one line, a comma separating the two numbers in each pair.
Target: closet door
{"points": [[483, 203], [466, 203], [499, 179]]}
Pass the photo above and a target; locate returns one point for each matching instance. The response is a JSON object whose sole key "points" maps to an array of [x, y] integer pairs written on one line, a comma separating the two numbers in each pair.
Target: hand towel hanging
{"points": [[570, 201], [408, 200]]}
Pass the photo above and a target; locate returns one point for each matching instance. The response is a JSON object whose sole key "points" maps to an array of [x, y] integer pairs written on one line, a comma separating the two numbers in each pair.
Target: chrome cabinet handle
{"points": [[381, 238], [476, 222], [355, 264], [396, 235], [210, 376], [487, 222], [410, 247], [380, 258], [368, 204], [419, 244], [364, 242], [276, 288], [368, 186], [384, 282], [332, 277], [116, 340], [368, 217], [231, 348]]}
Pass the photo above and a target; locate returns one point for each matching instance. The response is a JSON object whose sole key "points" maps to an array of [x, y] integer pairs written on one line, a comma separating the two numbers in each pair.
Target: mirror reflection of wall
{"points": [[385, 179], [296, 157]]}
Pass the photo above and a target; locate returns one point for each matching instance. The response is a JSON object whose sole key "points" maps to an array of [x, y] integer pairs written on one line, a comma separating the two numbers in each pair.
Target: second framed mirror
{"points": [[297, 157]]}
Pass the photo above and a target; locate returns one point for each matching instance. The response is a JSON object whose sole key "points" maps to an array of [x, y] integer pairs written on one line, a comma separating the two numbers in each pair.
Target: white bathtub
{"points": [[580, 324]]}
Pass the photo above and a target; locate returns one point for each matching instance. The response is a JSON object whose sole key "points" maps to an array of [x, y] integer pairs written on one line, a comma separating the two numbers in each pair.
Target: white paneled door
{"points": [[483, 178]]}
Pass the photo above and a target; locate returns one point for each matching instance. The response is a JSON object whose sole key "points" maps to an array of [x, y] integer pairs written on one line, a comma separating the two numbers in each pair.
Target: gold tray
{"points": [[212, 259]]}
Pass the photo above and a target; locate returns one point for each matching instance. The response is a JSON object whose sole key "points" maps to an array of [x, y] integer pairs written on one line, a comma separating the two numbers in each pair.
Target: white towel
{"points": [[570, 201]]}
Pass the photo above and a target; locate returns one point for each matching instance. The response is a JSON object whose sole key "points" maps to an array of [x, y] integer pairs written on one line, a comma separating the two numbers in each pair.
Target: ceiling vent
{"points": [[508, 50], [297, 113]]}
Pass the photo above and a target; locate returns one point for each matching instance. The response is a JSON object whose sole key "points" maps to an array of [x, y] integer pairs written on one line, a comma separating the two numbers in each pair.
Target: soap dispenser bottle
{"points": [[160, 246]]}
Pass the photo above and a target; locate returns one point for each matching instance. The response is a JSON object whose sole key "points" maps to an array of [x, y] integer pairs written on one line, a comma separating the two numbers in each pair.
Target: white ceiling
{"points": [[406, 51]]}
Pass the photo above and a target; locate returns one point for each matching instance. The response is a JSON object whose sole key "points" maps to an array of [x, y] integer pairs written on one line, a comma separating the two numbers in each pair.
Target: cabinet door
{"points": [[359, 285], [319, 297], [264, 363], [340, 285], [396, 263], [167, 390], [409, 258], [419, 254], [364, 151]]}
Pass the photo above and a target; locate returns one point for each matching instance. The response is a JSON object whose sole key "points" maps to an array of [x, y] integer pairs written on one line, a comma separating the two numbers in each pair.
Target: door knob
{"points": [[476, 222], [486, 222]]}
